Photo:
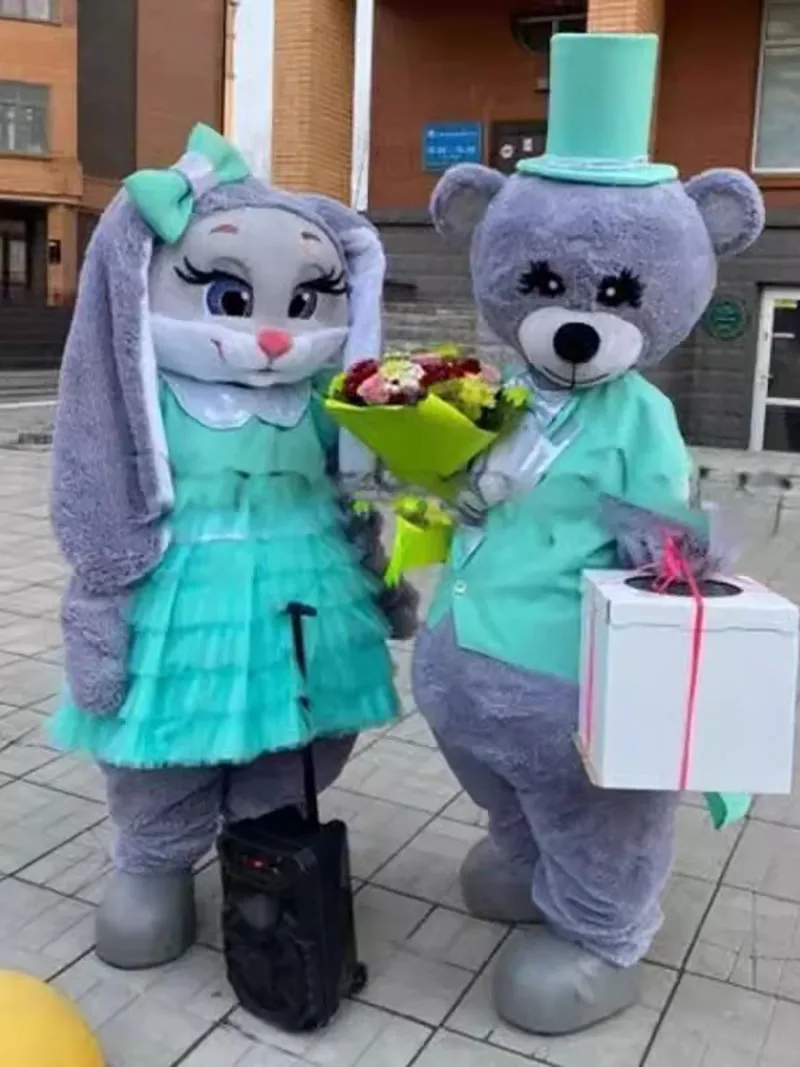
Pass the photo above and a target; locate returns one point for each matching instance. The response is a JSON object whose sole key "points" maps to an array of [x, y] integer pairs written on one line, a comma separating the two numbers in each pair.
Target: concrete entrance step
{"points": [[20, 386], [408, 325]]}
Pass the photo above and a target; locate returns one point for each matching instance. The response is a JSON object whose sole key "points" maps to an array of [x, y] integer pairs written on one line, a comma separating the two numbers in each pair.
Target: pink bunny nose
{"points": [[274, 343]]}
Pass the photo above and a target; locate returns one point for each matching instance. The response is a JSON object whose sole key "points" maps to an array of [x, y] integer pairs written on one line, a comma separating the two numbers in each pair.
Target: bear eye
{"points": [[543, 281], [617, 290]]}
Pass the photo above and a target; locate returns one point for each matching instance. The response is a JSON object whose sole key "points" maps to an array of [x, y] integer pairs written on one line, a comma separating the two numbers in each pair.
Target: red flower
{"points": [[356, 376], [469, 365]]}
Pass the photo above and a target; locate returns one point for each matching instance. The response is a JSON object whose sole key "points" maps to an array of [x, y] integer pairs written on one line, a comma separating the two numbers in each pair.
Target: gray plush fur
{"points": [[597, 859], [668, 237], [148, 311], [638, 267], [111, 485], [167, 820], [105, 485]]}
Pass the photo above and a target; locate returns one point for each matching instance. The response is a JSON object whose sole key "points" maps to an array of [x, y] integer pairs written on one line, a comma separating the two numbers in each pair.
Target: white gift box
{"points": [[670, 705]]}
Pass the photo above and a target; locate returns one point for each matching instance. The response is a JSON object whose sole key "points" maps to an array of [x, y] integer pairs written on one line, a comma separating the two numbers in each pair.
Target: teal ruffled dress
{"points": [[213, 678]]}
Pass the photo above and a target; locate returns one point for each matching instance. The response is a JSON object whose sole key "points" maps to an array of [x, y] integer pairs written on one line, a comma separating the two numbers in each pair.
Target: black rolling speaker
{"points": [[287, 916]]}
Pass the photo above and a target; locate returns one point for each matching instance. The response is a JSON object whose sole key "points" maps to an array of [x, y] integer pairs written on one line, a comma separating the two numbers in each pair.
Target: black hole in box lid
{"points": [[709, 587]]}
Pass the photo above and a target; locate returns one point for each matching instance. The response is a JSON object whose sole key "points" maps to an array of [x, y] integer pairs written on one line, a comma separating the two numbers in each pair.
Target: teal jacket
{"points": [[514, 589]]}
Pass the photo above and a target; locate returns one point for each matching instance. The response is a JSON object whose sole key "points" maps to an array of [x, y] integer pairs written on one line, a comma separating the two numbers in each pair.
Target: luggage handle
{"points": [[297, 612]]}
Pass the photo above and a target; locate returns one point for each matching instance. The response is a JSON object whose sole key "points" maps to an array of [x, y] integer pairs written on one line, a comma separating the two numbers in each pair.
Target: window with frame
{"points": [[534, 32], [777, 135], [24, 111], [32, 10]]}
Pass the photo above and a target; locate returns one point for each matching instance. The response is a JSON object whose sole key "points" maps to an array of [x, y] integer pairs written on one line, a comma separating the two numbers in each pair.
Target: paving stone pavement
{"points": [[722, 983]]}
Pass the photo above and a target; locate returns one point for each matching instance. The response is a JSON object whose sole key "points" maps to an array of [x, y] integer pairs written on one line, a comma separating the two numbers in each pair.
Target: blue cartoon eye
{"points": [[304, 303], [305, 298], [230, 297], [225, 294]]}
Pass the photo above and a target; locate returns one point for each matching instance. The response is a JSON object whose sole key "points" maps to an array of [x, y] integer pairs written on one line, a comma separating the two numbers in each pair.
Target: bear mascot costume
{"points": [[593, 263]]}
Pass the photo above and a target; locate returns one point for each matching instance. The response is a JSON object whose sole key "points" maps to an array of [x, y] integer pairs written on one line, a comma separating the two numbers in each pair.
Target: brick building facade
{"points": [[89, 91], [368, 79], [346, 97]]}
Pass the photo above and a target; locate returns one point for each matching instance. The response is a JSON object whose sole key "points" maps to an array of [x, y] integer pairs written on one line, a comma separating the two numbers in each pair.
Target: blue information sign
{"points": [[446, 143]]}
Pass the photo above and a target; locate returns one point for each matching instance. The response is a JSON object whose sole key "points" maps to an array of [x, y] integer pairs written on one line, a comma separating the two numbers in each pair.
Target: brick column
{"points": [[61, 276], [313, 96], [625, 16], [630, 16]]}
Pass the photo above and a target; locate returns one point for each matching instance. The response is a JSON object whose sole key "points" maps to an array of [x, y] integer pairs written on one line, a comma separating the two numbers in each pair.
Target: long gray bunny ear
{"points": [[110, 479], [366, 264]]}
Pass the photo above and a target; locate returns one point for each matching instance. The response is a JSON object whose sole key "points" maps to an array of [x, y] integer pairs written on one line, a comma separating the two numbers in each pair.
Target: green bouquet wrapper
{"points": [[426, 445], [422, 538]]}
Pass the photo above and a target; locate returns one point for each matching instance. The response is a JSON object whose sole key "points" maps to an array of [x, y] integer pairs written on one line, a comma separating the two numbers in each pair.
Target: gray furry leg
{"points": [[276, 780], [164, 821], [604, 856], [497, 874]]}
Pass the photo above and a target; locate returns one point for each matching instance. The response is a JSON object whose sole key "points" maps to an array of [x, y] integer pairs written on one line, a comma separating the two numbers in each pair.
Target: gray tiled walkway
{"points": [[722, 986]]}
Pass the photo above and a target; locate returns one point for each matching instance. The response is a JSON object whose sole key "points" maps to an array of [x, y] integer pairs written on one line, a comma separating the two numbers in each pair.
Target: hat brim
{"points": [[597, 174]]}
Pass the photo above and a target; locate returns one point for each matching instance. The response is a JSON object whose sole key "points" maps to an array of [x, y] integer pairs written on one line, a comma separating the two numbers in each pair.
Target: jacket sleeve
{"points": [[655, 498]]}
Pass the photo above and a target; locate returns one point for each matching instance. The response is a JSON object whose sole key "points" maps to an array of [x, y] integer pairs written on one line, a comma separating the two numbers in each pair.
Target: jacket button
{"points": [[460, 588]]}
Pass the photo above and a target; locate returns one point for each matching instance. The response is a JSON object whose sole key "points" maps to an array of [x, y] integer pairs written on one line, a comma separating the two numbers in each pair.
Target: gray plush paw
{"points": [[545, 985], [642, 537], [146, 920], [495, 891], [400, 606]]}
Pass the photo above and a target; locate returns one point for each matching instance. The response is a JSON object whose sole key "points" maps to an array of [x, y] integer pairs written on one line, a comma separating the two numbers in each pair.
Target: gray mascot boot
{"points": [[146, 920], [545, 985], [494, 891]]}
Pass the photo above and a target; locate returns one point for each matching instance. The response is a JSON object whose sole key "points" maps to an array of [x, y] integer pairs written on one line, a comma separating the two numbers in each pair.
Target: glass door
{"points": [[775, 423]]}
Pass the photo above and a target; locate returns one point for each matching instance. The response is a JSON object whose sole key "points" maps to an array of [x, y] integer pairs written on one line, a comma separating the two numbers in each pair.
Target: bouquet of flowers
{"points": [[426, 416]]}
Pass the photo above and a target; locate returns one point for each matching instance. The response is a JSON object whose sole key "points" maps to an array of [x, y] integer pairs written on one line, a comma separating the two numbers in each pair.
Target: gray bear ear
{"points": [[462, 197], [731, 206]]}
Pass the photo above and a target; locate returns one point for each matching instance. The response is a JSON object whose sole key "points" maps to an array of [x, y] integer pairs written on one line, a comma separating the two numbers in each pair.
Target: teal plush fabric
{"points": [[514, 588], [255, 526]]}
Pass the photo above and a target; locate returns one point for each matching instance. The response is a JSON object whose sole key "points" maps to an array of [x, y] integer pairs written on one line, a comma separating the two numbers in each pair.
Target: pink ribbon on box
{"points": [[671, 568]]}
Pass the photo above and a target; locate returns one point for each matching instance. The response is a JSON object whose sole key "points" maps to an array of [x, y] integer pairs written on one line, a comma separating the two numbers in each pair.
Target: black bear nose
{"points": [[576, 342]]}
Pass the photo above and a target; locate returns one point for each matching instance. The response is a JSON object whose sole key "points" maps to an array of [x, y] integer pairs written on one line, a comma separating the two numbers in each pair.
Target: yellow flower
{"points": [[448, 351], [411, 508], [471, 396], [517, 396], [424, 514], [401, 372], [479, 391], [336, 387]]}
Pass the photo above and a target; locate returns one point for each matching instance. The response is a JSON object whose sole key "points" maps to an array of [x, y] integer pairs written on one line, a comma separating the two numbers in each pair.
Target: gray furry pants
{"points": [[167, 820], [598, 859]]}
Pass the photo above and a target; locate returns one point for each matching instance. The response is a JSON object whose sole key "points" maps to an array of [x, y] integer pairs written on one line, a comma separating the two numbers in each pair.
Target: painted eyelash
{"points": [[330, 283], [539, 278], [194, 276], [626, 288]]}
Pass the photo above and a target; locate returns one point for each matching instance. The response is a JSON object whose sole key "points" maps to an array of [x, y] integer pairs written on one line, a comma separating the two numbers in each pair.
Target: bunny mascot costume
{"points": [[194, 499]]}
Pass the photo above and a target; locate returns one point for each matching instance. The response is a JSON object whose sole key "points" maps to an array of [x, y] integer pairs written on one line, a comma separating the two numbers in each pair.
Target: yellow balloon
{"points": [[38, 1026]]}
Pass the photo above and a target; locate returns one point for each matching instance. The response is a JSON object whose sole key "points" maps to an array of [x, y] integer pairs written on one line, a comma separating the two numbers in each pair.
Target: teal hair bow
{"points": [[165, 198]]}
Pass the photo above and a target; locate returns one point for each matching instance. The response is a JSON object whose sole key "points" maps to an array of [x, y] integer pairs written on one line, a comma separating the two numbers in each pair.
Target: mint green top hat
{"points": [[602, 87]]}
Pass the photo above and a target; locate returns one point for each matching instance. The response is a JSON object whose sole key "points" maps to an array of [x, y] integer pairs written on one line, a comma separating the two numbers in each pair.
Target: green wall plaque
{"points": [[725, 319]]}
